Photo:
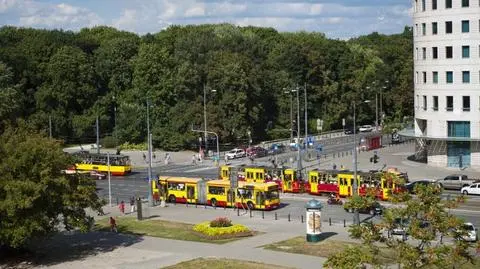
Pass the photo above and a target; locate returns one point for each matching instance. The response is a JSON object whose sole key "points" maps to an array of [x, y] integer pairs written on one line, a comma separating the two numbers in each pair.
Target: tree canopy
{"points": [[72, 78], [36, 197]]}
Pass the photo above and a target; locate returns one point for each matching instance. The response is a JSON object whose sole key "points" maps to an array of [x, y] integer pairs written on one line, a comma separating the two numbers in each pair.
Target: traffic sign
{"points": [[319, 125]]}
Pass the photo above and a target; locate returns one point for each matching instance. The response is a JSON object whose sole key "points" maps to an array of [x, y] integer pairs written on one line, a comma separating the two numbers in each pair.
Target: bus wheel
{"points": [[172, 198], [213, 202], [250, 205]]}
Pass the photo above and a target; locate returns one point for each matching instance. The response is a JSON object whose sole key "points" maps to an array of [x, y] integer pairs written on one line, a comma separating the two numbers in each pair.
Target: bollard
{"points": [[344, 223], [263, 214], [195, 203], [238, 211], [205, 206], [301, 218], [186, 203], [288, 217], [276, 218], [330, 221], [225, 206], [250, 213], [215, 206]]}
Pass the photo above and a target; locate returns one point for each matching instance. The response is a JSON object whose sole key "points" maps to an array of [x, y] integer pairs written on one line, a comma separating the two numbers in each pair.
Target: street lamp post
{"points": [[205, 117], [149, 143], [356, 216], [291, 112], [299, 160], [306, 118]]}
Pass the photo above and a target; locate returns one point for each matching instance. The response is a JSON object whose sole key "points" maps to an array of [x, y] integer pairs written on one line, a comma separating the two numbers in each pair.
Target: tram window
{"points": [[288, 177], [176, 186], [216, 190]]}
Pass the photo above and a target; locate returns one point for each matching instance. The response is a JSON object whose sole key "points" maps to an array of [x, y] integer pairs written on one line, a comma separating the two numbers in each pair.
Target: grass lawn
{"points": [[214, 263], [323, 248], [159, 228], [329, 247]]}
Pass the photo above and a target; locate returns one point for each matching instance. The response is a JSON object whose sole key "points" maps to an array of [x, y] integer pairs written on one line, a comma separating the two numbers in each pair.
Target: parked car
{"points": [[473, 189], [365, 128], [375, 209], [348, 130], [400, 227], [276, 149], [471, 232], [235, 153], [410, 187], [256, 152], [456, 182], [97, 175]]}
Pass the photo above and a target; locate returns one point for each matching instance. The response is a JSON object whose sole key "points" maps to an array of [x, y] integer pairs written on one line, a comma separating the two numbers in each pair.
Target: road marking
{"points": [[199, 169]]}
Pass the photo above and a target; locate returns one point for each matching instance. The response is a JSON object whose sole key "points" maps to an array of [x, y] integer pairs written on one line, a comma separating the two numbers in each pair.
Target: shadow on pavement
{"points": [[70, 246], [326, 235]]}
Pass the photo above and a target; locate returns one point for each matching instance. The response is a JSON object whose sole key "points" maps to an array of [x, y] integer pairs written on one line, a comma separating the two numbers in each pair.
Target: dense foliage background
{"points": [[74, 77]]}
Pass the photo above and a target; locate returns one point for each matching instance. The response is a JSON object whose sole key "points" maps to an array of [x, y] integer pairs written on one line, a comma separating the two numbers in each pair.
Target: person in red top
{"points": [[122, 207], [113, 225]]}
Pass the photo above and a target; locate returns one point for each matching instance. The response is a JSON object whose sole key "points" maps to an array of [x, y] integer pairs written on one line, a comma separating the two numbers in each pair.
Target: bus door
{"points": [[191, 193], [287, 181], [259, 199], [342, 185], [313, 181]]}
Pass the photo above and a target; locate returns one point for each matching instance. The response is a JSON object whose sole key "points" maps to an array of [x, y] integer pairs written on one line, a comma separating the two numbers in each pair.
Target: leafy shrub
{"points": [[221, 222], [108, 142], [129, 146], [205, 229]]}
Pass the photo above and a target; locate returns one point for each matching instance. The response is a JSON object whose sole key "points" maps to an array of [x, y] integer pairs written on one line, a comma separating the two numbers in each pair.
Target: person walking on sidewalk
{"points": [[132, 204], [194, 160], [121, 206], [113, 225]]}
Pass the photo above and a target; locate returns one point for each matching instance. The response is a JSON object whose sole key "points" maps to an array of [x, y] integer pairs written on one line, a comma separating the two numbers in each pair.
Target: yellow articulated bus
{"points": [[263, 196], [119, 164]]}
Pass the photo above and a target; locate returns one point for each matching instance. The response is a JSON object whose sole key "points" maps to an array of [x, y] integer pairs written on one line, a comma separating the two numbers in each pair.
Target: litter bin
{"points": [[314, 220], [139, 209]]}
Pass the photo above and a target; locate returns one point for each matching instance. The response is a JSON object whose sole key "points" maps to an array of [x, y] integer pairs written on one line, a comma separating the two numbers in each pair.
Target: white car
{"points": [[471, 232], [472, 189], [365, 128], [235, 153]]}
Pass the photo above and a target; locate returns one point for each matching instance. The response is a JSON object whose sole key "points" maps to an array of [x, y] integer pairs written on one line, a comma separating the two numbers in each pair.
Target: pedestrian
{"points": [[113, 225], [334, 166], [122, 207], [132, 204], [226, 159], [144, 157], [194, 160]]}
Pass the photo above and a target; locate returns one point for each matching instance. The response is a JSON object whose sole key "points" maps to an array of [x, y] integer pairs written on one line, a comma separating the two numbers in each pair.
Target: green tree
{"points": [[425, 219], [36, 197], [9, 95]]}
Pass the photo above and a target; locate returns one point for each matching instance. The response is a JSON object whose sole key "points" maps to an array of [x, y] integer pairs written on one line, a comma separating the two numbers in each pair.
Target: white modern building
{"points": [[447, 81]]}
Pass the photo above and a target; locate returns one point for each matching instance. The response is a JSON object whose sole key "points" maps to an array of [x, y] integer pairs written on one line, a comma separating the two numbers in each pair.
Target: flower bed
{"points": [[222, 228]]}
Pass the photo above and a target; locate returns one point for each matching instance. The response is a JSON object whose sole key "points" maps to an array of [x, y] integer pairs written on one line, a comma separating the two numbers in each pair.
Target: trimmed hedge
{"points": [[205, 229]]}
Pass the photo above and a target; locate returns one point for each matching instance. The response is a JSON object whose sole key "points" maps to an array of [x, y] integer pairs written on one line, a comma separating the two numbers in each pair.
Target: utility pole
{"points": [[98, 137], [306, 118], [109, 186], [50, 126], [291, 116], [149, 143], [299, 160], [115, 121], [356, 216], [205, 117]]}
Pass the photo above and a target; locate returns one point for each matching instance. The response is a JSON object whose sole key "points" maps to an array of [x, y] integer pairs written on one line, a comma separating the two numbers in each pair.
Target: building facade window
{"points": [[424, 75], [424, 29], [434, 4], [434, 52], [466, 103], [424, 53], [448, 27], [465, 26], [458, 129], [435, 77], [448, 3], [424, 103], [449, 76], [435, 103], [434, 28], [449, 103], [466, 76], [465, 3], [423, 5], [465, 51], [449, 52]]}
